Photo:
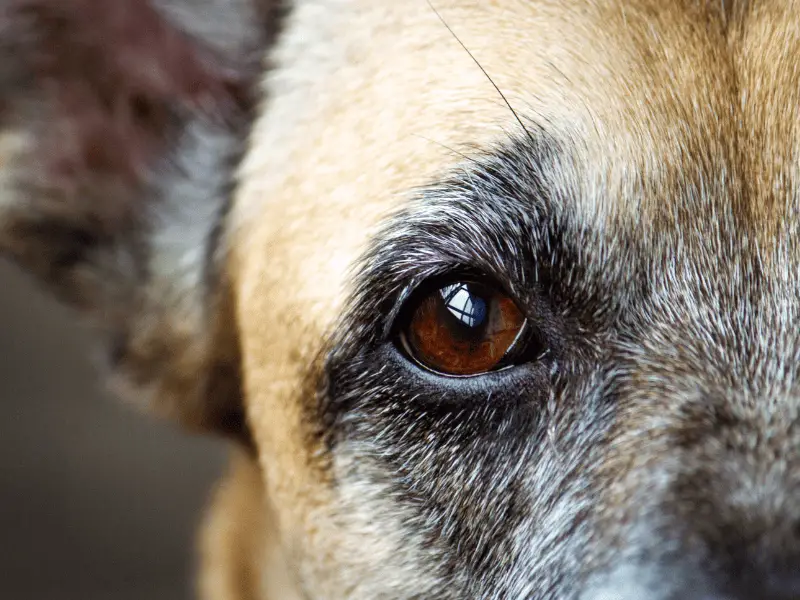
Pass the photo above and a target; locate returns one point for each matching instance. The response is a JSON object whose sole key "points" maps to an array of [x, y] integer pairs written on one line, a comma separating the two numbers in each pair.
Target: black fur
{"points": [[535, 480], [456, 451]]}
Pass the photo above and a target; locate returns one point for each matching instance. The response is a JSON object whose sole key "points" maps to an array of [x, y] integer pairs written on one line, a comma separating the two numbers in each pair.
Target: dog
{"points": [[493, 299]]}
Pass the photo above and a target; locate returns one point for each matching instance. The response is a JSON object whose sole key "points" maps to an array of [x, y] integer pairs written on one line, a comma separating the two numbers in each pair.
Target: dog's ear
{"points": [[121, 124]]}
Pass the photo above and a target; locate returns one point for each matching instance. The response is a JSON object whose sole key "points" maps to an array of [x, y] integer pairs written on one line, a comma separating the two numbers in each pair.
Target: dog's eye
{"points": [[462, 328]]}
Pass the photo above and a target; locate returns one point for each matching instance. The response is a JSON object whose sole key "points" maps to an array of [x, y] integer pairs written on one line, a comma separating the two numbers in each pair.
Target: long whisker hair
{"points": [[480, 66]]}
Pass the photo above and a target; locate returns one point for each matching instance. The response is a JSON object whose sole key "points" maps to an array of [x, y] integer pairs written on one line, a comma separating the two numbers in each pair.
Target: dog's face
{"points": [[503, 302]]}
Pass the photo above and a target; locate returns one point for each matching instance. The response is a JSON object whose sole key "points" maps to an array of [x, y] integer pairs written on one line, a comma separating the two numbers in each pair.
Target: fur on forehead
{"points": [[122, 124]]}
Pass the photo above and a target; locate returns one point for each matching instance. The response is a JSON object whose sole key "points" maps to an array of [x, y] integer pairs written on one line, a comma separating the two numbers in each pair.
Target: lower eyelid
{"points": [[526, 378]]}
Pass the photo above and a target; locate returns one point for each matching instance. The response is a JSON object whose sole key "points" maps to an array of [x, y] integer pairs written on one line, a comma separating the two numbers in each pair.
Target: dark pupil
{"points": [[465, 305]]}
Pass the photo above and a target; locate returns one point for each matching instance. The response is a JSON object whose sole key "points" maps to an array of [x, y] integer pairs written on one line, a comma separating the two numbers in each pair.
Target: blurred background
{"points": [[97, 501]]}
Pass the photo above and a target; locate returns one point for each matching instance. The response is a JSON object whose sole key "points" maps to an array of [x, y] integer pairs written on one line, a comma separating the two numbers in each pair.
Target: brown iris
{"points": [[463, 328]]}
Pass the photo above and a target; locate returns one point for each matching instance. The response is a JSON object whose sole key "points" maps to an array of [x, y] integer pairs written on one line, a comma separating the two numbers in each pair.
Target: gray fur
{"points": [[660, 444], [647, 450]]}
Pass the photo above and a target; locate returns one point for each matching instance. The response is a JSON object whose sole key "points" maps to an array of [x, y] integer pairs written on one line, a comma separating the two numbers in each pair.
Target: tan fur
{"points": [[765, 48], [234, 536], [339, 174], [368, 100], [341, 141], [239, 550]]}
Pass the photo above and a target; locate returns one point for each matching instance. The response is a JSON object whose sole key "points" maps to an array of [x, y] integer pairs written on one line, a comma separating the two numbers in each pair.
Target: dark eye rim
{"points": [[528, 346]]}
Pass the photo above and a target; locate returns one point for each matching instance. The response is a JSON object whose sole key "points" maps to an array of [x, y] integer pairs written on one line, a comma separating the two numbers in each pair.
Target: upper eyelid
{"points": [[389, 277], [505, 203], [412, 287]]}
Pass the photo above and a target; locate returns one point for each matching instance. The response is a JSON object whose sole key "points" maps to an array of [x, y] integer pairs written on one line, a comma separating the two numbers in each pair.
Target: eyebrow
{"points": [[504, 213]]}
